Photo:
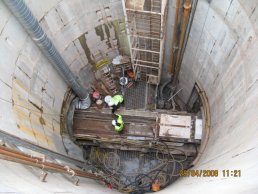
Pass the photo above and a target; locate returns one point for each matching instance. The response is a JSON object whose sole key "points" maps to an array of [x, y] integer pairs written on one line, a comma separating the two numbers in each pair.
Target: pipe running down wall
{"points": [[30, 23], [173, 49], [19, 157], [185, 19]]}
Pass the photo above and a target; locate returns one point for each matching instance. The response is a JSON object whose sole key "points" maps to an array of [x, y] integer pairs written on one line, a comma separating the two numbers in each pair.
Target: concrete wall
{"points": [[32, 91], [26, 181], [222, 55], [83, 31]]}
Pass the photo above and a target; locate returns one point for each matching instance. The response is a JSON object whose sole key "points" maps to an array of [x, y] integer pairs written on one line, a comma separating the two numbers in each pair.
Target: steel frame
{"points": [[145, 27]]}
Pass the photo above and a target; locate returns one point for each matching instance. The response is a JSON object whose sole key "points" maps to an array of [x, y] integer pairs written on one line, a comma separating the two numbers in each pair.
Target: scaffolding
{"points": [[145, 26]]}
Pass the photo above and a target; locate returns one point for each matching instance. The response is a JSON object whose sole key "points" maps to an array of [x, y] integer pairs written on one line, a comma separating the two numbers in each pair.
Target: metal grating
{"points": [[135, 96], [151, 97]]}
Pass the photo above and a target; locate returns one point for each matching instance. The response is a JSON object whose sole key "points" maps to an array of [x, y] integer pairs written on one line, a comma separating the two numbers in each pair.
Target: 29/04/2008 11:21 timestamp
{"points": [[209, 173]]}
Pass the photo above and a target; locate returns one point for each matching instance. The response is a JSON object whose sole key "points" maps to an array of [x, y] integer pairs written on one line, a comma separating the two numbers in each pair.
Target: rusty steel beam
{"points": [[188, 149], [19, 157], [185, 20], [174, 36]]}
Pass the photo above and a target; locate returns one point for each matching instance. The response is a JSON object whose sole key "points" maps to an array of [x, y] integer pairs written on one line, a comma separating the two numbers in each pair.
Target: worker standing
{"points": [[114, 102], [118, 123]]}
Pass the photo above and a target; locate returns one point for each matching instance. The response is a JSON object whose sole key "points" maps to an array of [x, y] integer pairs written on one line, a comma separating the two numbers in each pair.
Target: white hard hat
{"points": [[114, 122], [110, 103], [107, 99]]}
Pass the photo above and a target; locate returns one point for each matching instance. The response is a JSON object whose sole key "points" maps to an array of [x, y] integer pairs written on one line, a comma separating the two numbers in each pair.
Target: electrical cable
{"points": [[142, 180]]}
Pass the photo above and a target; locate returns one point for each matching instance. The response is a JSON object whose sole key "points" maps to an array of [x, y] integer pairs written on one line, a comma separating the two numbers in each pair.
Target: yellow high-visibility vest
{"points": [[117, 99], [119, 121]]}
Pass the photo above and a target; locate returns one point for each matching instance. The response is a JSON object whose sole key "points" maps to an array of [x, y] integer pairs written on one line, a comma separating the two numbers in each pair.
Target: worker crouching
{"points": [[118, 123], [114, 102]]}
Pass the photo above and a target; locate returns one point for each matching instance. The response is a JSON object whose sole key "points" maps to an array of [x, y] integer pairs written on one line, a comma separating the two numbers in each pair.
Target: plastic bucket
{"points": [[99, 104]]}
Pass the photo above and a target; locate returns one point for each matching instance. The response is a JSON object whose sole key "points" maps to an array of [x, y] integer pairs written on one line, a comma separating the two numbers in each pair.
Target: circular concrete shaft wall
{"points": [[221, 55], [31, 98]]}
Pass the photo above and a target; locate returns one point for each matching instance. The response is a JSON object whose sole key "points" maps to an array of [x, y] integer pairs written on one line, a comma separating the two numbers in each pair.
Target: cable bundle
{"points": [[109, 163]]}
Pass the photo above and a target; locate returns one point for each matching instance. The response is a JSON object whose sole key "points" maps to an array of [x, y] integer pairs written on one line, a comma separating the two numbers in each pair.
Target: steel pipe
{"points": [[186, 13], [29, 145], [30, 23], [19, 157], [174, 37]]}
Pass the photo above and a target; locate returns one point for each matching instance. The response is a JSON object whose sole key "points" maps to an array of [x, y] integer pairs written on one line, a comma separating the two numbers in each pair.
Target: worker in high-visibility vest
{"points": [[118, 123], [114, 102]]}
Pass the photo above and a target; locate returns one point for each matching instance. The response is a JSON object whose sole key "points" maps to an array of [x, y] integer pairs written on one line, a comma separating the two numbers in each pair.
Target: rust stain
{"points": [[48, 125], [29, 131], [36, 106], [38, 119], [18, 83], [38, 135], [86, 49], [99, 32], [21, 113], [29, 114], [42, 121]]}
